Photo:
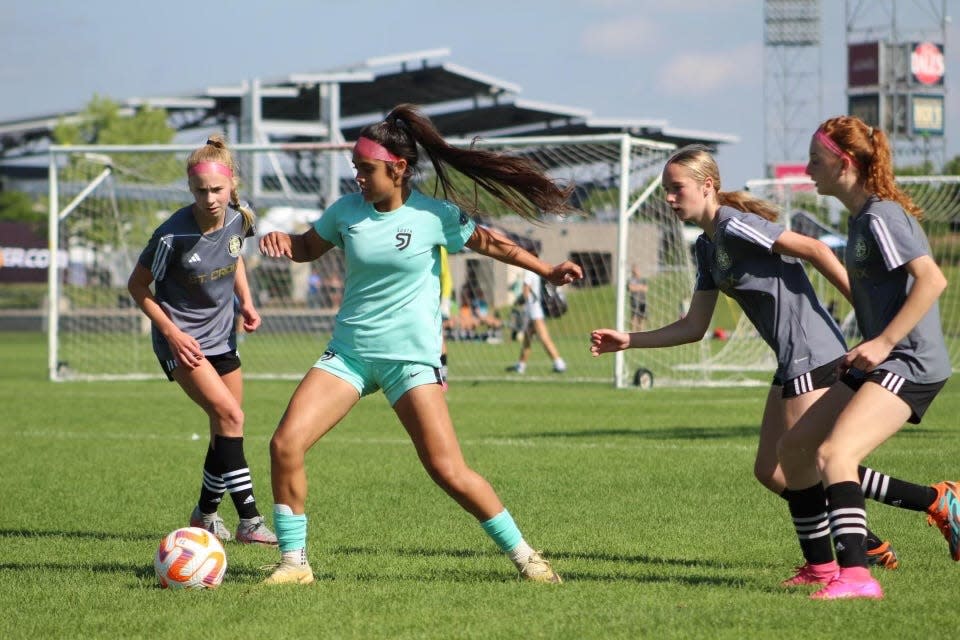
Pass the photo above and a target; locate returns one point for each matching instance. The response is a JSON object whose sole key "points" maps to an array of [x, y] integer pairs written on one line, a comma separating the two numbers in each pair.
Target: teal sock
{"points": [[291, 529], [503, 530]]}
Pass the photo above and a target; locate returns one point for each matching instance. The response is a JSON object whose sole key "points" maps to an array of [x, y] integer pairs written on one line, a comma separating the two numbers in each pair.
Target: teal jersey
{"points": [[391, 300]]}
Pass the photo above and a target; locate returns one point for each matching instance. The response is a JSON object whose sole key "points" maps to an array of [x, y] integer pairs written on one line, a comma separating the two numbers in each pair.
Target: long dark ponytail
{"points": [[519, 183]]}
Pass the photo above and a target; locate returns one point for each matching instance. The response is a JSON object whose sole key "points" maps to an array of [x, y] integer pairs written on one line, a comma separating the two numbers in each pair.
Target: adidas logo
{"points": [[194, 258], [249, 499]]}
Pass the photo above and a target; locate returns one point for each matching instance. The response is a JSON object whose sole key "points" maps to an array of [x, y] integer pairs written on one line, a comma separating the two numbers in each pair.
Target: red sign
{"points": [[790, 170], [793, 170], [926, 63]]}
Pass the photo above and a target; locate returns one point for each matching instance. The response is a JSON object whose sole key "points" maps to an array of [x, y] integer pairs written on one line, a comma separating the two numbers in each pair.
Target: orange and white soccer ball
{"points": [[190, 558]]}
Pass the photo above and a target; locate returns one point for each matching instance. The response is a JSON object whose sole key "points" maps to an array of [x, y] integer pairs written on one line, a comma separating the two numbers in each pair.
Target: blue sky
{"points": [[695, 63]]}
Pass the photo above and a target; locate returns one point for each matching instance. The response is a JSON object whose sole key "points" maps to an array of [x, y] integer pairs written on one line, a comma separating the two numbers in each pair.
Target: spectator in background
{"points": [[534, 323], [484, 315], [637, 286], [446, 292]]}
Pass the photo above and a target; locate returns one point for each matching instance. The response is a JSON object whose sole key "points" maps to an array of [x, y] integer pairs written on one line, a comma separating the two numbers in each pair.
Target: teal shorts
{"points": [[395, 378]]}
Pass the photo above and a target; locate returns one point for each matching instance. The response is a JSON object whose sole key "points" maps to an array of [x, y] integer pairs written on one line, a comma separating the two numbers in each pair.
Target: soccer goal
{"points": [[807, 212], [104, 202]]}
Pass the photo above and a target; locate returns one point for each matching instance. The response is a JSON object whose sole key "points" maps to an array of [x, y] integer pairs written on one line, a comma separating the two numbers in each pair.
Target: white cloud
{"points": [[695, 74], [618, 37]]}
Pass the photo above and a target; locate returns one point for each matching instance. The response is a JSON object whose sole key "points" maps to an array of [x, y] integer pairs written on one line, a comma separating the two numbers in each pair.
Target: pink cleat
{"points": [[854, 582], [813, 574]]}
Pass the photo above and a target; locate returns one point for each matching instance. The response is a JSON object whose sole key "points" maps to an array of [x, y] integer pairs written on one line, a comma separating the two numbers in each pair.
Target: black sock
{"points": [[236, 475], [898, 493], [848, 523], [211, 489], [808, 508], [873, 541]]}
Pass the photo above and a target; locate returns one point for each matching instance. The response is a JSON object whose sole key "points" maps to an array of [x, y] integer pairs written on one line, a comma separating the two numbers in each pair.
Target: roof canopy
{"points": [[308, 106]]}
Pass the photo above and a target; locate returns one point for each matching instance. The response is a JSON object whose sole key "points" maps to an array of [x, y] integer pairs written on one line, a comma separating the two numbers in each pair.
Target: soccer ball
{"points": [[190, 558]]}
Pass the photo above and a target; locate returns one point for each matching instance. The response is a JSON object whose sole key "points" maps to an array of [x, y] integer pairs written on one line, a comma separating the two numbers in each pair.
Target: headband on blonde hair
{"points": [[368, 148], [210, 167], [833, 147]]}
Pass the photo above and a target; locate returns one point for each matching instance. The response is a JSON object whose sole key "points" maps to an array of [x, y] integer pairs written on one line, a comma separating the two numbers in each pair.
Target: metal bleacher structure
{"points": [[333, 105]]}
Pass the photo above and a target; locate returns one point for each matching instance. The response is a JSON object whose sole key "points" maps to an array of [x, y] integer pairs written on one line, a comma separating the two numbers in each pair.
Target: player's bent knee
{"points": [[448, 474], [825, 456], [284, 452], [767, 477], [229, 421]]}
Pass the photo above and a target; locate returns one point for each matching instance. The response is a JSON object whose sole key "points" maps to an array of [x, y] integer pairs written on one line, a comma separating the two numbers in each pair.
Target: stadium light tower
{"points": [[895, 70], [792, 94]]}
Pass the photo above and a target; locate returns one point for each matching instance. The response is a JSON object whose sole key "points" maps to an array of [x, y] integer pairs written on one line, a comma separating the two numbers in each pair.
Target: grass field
{"points": [[644, 501]]}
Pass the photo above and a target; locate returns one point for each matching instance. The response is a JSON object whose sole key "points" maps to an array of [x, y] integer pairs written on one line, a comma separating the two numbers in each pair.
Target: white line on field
{"points": [[554, 442]]}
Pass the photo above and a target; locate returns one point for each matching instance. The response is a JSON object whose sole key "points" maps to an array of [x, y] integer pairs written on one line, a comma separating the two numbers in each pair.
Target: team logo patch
{"points": [[234, 245], [723, 259], [403, 238], [860, 249]]}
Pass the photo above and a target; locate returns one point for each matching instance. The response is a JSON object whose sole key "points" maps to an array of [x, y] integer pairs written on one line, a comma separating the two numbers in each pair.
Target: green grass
{"points": [[645, 502]]}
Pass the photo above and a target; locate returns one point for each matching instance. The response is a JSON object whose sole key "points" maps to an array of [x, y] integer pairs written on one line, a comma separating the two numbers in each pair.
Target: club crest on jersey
{"points": [[234, 245], [723, 259], [403, 238], [860, 249]]}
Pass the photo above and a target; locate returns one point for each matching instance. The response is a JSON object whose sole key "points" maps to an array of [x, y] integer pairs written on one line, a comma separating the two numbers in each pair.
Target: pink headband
{"points": [[210, 167], [368, 148], [828, 142]]}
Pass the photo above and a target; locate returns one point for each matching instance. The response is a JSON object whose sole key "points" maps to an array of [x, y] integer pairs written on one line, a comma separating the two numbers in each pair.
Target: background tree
{"points": [[118, 215], [16, 206], [952, 167]]}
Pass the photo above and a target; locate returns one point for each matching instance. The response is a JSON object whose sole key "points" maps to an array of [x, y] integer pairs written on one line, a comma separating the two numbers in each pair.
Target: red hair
{"points": [[870, 150]]}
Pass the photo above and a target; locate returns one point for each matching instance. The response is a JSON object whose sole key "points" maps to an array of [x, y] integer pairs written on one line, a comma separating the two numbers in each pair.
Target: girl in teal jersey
{"points": [[387, 332]]}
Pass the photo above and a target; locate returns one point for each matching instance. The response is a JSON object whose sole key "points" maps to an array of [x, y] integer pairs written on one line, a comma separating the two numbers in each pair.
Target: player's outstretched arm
{"points": [[305, 247], [495, 245], [690, 328]]}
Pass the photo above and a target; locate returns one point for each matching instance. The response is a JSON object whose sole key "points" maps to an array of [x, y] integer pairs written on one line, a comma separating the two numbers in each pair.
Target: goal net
{"points": [[105, 201], [807, 212]]}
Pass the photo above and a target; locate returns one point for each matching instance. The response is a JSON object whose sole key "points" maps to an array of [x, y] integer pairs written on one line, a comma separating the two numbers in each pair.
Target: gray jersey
{"points": [[193, 275], [881, 239], [773, 290]]}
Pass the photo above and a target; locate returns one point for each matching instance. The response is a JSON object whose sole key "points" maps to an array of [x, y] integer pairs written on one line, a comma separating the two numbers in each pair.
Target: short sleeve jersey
{"points": [[193, 275], [881, 240], [391, 301], [773, 290]]}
